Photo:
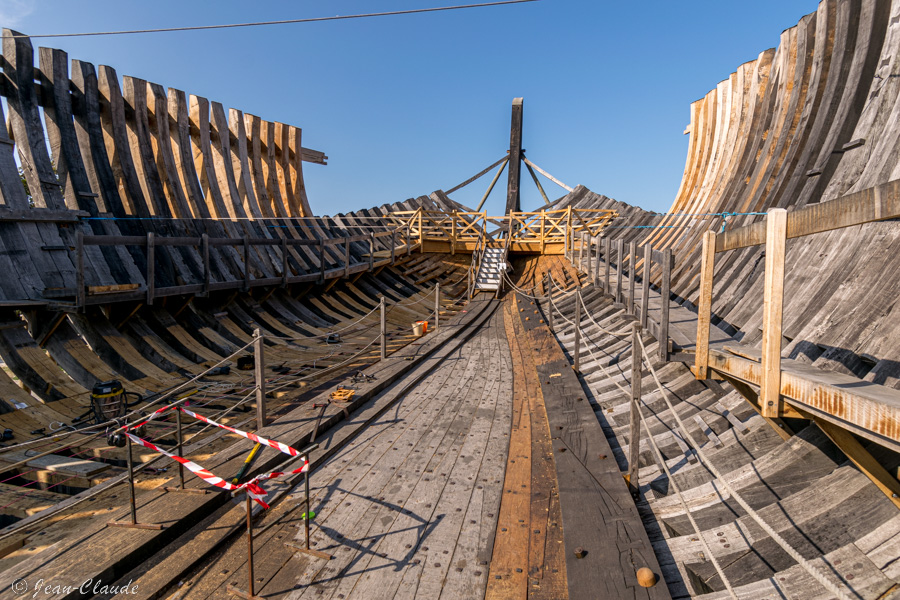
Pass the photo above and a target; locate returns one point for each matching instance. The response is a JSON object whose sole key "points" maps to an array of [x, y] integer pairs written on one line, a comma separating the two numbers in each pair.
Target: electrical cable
{"points": [[283, 22]]}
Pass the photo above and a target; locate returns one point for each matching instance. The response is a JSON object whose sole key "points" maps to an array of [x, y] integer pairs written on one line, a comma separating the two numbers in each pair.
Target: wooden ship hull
{"points": [[702, 403]]}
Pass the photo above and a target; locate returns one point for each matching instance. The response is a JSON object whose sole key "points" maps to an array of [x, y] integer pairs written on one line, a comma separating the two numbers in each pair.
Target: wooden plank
{"points": [[598, 513], [704, 308], [56, 464], [645, 283], [770, 386], [873, 204]]}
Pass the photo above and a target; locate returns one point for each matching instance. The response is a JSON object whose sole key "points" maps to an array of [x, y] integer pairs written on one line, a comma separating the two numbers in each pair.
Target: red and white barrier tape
{"points": [[250, 436], [254, 490]]}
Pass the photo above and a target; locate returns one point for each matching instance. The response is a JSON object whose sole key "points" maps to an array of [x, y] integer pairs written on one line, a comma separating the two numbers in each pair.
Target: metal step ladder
{"points": [[491, 269]]}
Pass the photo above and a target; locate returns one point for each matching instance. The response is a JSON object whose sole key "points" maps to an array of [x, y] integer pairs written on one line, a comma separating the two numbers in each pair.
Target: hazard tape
{"points": [[252, 487], [250, 436]]}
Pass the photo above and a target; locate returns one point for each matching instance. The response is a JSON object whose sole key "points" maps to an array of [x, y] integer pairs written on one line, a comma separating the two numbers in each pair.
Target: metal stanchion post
{"points": [[635, 421], [260, 364], [550, 301], [383, 331], [134, 522], [308, 516], [577, 329], [179, 432], [437, 306], [233, 589]]}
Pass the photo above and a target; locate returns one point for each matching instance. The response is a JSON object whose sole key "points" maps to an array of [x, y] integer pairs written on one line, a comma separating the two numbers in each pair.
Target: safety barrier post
{"points": [[634, 441], [437, 306], [645, 284], [309, 514], [260, 366], [578, 329], [134, 522], [550, 301], [383, 331], [588, 270], [620, 267], [632, 271], [607, 251], [179, 435], [665, 292]]}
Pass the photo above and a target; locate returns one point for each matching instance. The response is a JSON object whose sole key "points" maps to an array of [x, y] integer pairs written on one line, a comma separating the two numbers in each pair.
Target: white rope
{"points": [[324, 335], [793, 553], [604, 330], [662, 463], [812, 570]]}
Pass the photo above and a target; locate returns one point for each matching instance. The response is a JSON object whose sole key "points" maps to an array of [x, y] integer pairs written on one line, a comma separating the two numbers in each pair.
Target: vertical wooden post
{"points": [[284, 261], [580, 263], [645, 283], [408, 241], [204, 250], [260, 363], [596, 242], [453, 233], [569, 239], [665, 292], [588, 269], [151, 269], [421, 234], [394, 244], [515, 156], [770, 388], [632, 273], [383, 330], [79, 273], [371, 251], [346, 256], [543, 230], [634, 442], [607, 251], [620, 269], [246, 262], [704, 308], [437, 306], [577, 356], [321, 260]]}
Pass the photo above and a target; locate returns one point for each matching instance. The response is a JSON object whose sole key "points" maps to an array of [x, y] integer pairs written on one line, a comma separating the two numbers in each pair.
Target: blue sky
{"points": [[409, 104]]}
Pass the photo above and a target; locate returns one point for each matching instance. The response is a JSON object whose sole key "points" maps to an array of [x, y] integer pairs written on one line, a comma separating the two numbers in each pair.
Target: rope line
{"points": [[718, 477], [793, 553]]}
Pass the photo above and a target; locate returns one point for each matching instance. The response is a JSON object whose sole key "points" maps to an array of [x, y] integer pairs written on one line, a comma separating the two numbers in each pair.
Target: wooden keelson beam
{"points": [[515, 156]]}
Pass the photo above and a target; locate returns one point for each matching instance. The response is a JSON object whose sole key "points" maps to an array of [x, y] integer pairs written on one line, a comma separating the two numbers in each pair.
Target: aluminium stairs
{"points": [[490, 271]]}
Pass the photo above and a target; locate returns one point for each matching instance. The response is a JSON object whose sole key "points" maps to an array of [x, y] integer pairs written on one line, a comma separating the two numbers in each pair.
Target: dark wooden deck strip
{"points": [[598, 513]]}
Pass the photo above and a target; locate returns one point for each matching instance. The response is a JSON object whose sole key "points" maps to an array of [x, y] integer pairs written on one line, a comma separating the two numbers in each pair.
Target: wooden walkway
{"points": [[409, 508]]}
